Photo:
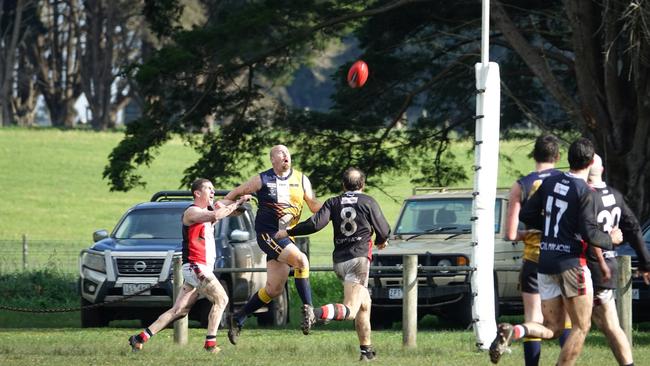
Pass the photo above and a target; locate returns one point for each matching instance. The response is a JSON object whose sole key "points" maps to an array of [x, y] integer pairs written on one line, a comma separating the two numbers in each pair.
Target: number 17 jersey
{"points": [[563, 209]]}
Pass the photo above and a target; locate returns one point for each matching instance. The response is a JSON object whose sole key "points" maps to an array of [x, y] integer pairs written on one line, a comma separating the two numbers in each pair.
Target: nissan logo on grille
{"points": [[140, 266]]}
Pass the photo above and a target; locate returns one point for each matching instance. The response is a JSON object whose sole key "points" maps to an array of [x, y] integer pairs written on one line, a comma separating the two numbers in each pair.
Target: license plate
{"points": [[132, 288], [395, 293], [635, 294]]}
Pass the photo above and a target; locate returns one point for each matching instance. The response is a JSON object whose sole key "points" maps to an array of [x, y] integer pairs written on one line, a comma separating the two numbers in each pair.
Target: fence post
{"points": [[180, 325], [410, 302], [624, 295], [25, 252]]}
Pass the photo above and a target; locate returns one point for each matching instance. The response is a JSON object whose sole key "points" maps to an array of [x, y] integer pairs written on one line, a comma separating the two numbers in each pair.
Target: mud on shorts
{"points": [[355, 270], [573, 282], [603, 296], [202, 279], [528, 277], [272, 247]]}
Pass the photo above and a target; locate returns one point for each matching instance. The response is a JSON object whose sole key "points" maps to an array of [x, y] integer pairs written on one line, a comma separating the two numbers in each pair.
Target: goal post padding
{"points": [[486, 163]]}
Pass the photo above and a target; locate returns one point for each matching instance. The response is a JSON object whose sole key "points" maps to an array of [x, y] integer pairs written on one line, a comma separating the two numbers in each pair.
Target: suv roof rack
{"points": [[423, 190], [166, 196]]}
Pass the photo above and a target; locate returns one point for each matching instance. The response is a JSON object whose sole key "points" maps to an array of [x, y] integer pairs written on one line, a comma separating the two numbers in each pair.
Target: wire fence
{"points": [[26, 254], [63, 255]]}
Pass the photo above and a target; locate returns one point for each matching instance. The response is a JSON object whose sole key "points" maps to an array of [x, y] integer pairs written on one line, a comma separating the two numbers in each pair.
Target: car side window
{"points": [[248, 223], [235, 224]]}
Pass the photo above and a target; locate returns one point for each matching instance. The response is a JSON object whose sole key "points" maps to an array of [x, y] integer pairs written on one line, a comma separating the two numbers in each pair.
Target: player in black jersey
{"points": [[563, 209], [613, 212], [355, 217]]}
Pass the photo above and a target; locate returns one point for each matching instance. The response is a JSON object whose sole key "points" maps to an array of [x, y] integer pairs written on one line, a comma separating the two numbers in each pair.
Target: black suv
{"points": [[139, 252]]}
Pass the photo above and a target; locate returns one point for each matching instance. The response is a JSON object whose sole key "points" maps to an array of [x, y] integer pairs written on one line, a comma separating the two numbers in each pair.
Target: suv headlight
{"points": [[94, 261]]}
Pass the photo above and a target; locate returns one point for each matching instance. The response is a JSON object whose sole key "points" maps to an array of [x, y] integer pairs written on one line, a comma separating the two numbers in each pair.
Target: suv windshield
{"points": [[151, 224], [452, 214]]}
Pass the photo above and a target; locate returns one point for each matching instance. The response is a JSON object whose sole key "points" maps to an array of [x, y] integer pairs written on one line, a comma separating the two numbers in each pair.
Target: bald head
{"points": [[353, 179], [596, 170], [280, 159]]}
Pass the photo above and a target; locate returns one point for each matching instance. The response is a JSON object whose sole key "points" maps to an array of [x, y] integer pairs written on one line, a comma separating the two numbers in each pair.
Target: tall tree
{"points": [[111, 36], [605, 48], [12, 29], [56, 54], [219, 71]]}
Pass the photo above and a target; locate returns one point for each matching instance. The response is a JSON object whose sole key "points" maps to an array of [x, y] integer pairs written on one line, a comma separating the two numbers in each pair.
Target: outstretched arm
{"points": [[251, 186], [313, 224], [194, 214], [310, 198]]}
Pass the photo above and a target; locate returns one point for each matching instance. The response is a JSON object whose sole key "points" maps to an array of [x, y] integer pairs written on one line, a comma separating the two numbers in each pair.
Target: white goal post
{"points": [[486, 163]]}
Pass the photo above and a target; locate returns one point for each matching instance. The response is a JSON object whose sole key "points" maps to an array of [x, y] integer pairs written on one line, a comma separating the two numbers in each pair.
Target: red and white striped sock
{"points": [[332, 312], [519, 331], [145, 335]]}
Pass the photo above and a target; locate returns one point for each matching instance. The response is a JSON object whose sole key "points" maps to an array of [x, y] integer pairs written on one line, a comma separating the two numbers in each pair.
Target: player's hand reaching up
{"points": [[243, 199]]}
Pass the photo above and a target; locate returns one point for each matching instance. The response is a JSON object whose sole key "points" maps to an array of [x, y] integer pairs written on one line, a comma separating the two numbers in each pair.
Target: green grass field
{"points": [[53, 191], [435, 346]]}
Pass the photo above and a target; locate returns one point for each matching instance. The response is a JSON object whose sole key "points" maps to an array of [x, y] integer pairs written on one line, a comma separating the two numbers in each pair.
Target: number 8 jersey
{"points": [[355, 217], [563, 209]]}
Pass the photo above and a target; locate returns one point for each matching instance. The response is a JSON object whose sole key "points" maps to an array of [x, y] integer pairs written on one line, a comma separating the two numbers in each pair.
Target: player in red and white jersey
{"points": [[199, 254]]}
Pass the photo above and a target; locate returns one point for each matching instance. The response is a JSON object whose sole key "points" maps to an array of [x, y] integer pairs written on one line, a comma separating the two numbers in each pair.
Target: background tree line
{"points": [[568, 66]]}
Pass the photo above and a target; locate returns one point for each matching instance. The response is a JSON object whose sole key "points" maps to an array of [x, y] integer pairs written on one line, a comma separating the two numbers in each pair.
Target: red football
{"points": [[358, 74]]}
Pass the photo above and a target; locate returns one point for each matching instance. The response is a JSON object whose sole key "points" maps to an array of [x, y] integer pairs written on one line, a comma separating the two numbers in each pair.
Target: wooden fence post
{"points": [[180, 325], [410, 301], [25, 252], [624, 295]]}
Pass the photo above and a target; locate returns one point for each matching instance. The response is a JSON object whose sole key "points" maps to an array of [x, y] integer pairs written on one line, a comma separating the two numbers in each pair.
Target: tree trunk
{"points": [[56, 56], [613, 96], [24, 99], [9, 53], [111, 29]]}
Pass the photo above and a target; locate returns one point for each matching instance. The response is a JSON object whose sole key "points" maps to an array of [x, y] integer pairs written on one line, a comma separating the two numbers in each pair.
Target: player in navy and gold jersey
{"points": [[546, 153], [355, 218], [613, 212], [281, 192], [563, 209]]}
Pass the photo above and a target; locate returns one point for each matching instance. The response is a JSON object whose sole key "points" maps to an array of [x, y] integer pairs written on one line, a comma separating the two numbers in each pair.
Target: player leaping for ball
{"points": [[281, 192]]}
